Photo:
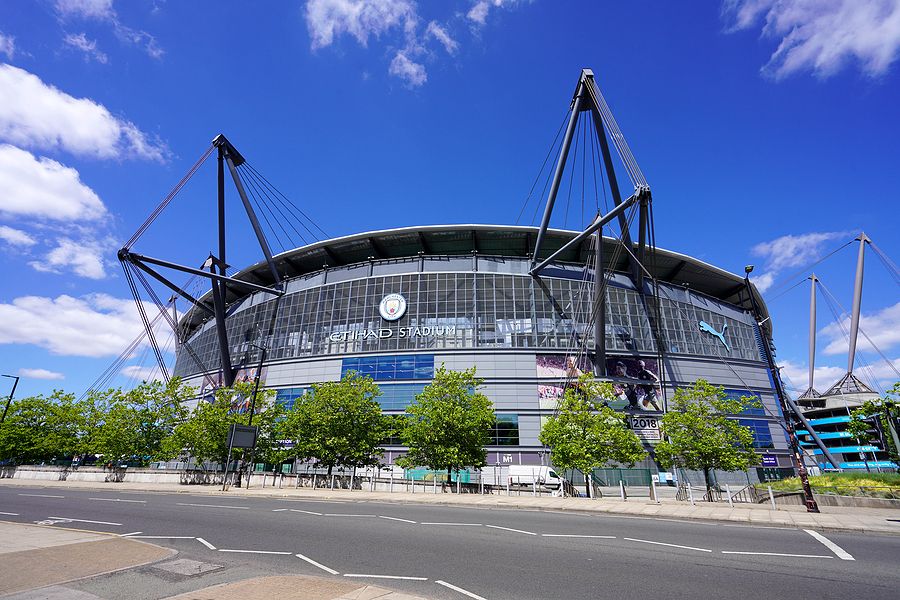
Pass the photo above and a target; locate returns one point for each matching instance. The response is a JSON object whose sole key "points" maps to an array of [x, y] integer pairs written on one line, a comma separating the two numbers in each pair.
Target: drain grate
{"points": [[187, 567]]}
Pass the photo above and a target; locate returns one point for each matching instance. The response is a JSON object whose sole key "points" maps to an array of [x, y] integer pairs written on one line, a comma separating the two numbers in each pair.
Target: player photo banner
{"points": [[635, 383]]}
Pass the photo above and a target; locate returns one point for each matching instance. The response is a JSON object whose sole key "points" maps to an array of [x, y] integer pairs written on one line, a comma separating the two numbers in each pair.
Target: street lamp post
{"points": [[10, 397], [811, 505]]}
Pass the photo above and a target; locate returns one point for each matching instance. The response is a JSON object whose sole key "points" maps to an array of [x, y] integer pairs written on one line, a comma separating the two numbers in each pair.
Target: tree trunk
{"points": [[587, 483], [449, 478], [709, 497]]}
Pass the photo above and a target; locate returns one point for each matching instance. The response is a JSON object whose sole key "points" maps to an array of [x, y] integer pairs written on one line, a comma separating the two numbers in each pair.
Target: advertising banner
{"points": [[635, 380]]}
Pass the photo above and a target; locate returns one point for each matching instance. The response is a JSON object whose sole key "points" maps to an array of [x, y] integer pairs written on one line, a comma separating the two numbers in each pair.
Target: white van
{"points": [[528, 475]]}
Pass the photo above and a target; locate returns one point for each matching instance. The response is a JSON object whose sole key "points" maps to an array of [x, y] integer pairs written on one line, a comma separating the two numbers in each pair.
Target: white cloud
{"points": [[327, 19], [41, 374], [790, 251], [142, 373], [822, 36], [36, 115], [84, 257], [43, 188], [7, 45], [409, 71], [443, 36], [883, 327], [103, 11], [88, 47], [16, 237], [479, 11], [94, 326], [797, 375]]}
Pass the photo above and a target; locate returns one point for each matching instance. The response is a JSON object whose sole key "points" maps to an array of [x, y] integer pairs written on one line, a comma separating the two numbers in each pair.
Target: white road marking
{"points": [[118, 500], [254, 551], [205, 543], [41, 496], [212, 505], [395, 519], [664, 544], [130, 534], [308, 512], [385, 576], [460, 590], [511, 529], [346, 515], [279, 509], [777, 554], [841, 553], [317, 564], [86, 521], [577, 535], [10, 514], [459, 524], [164, 537]]}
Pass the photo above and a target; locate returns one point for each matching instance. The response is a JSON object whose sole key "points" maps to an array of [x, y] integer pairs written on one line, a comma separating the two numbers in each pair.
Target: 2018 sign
{"points": [[646, 428]]}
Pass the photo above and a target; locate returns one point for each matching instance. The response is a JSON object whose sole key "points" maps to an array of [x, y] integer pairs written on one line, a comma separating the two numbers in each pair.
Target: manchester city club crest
{"points": [[392, 307]]}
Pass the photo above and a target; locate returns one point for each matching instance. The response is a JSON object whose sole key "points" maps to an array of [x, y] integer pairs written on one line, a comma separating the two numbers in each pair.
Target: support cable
{"points": [[171, 196], [277, 192], [256, 184], [804, 271], [543, 165], [143, 314], [886, 261]]}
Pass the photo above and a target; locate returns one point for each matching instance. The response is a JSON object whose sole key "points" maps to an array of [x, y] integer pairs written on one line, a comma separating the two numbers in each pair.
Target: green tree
{"points": [[883, 412], [448, 425], [700, 435], [42, 428], [132, 425], [204, 434], [586, 434], [338, 423]]}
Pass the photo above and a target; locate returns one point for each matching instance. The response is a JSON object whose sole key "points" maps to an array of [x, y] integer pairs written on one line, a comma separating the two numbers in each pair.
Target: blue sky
{"points": [[767, 130]]}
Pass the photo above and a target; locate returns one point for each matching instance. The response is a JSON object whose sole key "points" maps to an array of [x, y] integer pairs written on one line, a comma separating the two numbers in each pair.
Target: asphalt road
{"points": [[487, 553]]}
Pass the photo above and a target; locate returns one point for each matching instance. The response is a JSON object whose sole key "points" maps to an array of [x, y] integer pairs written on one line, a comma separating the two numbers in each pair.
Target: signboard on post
{"points": [[242, 436], [645, 427]]}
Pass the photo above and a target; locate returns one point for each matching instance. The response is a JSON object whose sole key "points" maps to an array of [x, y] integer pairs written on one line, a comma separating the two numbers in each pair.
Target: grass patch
{"points": [[845, 484]]}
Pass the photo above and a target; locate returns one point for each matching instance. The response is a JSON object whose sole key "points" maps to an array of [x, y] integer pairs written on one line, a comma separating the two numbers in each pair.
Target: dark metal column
{"points": [[560, 166], [599, 310]]}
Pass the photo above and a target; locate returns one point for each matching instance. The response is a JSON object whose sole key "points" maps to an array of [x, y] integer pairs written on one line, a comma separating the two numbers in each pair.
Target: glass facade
{"points": [[385, 368], [464, 310], [762, 435]]}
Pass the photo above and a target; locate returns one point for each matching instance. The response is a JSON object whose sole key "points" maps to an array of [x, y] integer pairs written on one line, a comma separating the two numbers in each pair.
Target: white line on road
{"points": [[163, 537], [86, 521], [279, 509], [841, 553], [254, 551], [511, 529], [460, 590], [130, 534], [386, 576], [10, 514], [346, 515], [316, 564], [577, 535], [664, 544], [308, 512], [212, 505], [205, 543], [41, 496], [777, 554], [118, 500], [459, 524], [395, 519]]}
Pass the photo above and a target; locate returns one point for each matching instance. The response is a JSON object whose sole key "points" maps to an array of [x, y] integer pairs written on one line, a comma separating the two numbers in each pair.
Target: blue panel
{"points": [[829, 420], [756, 411], [389, 368], [762, 435]]}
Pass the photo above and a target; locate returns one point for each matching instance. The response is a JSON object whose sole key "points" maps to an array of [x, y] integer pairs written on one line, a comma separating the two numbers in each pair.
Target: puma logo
{"points": [[704, 326]]}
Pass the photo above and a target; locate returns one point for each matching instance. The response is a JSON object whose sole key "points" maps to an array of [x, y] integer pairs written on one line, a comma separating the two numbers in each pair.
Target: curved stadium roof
{"points": [[489, 240]]}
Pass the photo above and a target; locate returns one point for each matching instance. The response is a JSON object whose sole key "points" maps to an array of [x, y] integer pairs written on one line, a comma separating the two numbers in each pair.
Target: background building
{"points": [[464, 298]]}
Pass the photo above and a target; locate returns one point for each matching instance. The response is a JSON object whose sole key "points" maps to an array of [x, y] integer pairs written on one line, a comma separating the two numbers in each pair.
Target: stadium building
{"points": [[396, 304]]}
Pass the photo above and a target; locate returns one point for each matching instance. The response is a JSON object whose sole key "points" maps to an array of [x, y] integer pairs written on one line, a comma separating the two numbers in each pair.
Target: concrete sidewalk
{"points": [[39, 561], [867, 520], [36, 557]]}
